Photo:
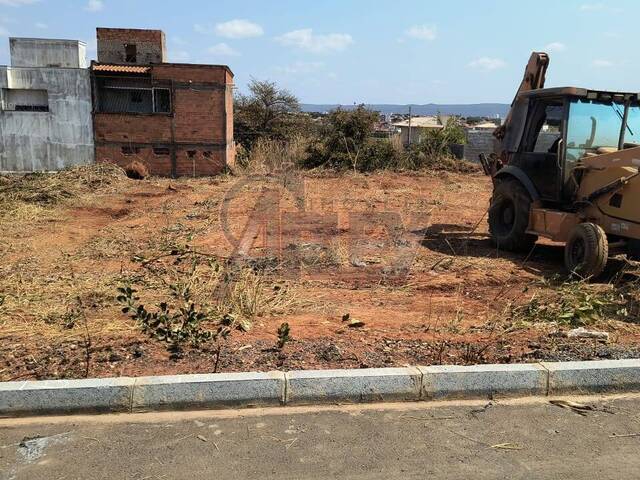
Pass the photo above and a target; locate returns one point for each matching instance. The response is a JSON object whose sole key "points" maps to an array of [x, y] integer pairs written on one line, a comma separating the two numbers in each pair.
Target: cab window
{"points": [[546, 127], [593, 128], [632, 135]]}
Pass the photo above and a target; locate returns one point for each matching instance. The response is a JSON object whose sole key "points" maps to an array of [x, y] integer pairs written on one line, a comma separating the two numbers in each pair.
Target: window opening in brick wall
{"points": [[130, 150], [207, 154], [161, 151], [134, 100], [130, 53], [191, 153], [162, 100]]}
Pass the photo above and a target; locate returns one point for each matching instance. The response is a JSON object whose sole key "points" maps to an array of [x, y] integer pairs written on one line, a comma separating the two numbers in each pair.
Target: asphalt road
{"points": [[524, 439]]}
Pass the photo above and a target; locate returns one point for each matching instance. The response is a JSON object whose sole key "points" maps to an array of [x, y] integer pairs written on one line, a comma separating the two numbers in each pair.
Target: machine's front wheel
{"points": [[509, 216], [587, 250]]}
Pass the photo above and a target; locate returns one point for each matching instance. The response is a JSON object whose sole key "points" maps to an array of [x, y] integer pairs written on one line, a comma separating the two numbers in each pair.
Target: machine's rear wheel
{"points": [[587, 250], [509, 216]]}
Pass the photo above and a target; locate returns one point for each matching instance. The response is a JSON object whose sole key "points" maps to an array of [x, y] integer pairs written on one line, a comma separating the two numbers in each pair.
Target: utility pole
{"points": [[409, 138]]}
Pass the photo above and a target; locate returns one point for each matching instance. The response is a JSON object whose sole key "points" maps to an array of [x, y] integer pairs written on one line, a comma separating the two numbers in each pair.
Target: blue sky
{"points": [[346, 51]]}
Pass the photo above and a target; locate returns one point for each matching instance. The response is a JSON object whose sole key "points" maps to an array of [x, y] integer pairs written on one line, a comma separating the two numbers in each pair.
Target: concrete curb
{"points": [[208, 391], [483, 381], [354, 386], [593, 377], [66, 396], [234, 390]]}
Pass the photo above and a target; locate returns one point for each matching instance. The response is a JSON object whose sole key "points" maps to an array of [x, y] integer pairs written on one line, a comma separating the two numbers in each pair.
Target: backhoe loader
{"points": [[566, 168]]}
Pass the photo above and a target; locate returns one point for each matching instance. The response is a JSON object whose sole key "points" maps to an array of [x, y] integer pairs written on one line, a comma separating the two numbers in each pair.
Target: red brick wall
{"points": [[212, 165], [190, 73], [231, 147], [157, 165], [199, 116], [132, 128], [229, 108], [205, 161], [129, 35], [150, 45]]}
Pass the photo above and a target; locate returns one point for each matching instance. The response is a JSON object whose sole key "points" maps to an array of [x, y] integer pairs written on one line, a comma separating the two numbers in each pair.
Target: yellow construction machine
{"points": [[565, 168]]}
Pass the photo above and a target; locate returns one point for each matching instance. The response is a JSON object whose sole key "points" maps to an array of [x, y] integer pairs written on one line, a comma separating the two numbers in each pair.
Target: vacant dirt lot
{"points": [[406, 256]]}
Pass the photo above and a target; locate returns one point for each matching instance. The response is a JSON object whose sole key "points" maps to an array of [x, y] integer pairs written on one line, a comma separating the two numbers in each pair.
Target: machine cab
{"points": [[552, 129]]}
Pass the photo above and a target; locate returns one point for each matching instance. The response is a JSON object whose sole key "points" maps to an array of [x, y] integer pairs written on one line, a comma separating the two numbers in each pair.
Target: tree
{"points": [[344, 136], [268, 111]]}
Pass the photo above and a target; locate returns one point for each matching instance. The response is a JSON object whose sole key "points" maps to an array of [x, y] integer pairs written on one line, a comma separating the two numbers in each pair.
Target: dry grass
{"points": [[579, 303], [47, 305], [41, 298], [270, 156], [253, 294], [459, 289], [24, 198], [53, 188], [217, 286]]}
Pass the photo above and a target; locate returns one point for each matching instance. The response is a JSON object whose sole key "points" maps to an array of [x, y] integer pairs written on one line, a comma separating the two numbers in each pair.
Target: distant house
{"points": [[417, 126], [483, 126]]}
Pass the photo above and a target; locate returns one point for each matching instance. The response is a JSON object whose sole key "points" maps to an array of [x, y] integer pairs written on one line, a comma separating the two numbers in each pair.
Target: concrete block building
{"points": [[45, 106], [177, 119]]}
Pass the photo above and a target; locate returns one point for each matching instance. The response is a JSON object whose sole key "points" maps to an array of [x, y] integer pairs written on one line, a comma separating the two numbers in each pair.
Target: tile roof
{"points": [[101, 67]]}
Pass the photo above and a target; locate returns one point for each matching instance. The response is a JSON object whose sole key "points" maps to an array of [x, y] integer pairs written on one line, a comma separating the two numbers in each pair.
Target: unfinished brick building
{"points": [[177, 119]]}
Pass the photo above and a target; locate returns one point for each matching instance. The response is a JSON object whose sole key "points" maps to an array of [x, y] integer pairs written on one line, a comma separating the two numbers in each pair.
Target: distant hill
{"points": [[465, 110]]}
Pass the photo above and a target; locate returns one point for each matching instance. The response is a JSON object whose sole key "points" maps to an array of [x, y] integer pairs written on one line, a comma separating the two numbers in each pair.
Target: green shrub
{"points": [[379, 154], [433, 151], [343, 139]]}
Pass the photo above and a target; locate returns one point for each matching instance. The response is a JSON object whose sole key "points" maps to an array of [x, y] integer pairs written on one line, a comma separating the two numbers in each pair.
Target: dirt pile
{"points": [[136, 170]]}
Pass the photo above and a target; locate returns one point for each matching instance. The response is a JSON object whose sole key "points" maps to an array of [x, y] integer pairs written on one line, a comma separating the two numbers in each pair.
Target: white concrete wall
{"points": [[416, 134], [47, 141], [40, 52], [482, 141]]}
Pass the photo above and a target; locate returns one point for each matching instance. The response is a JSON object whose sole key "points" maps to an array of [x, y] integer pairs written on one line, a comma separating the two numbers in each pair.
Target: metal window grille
{"points": [[134, 100]]}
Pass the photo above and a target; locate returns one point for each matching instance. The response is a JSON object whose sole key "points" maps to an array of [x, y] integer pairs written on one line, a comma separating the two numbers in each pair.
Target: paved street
{"points": [[524, 439]]}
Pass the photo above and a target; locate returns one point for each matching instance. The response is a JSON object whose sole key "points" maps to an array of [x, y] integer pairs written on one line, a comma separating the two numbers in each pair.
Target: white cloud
{"points": [[305, 39], [555, 47], [17, 3], [238, 28], [422, 32], [600, 7], [301, 68], [42, 26], [223, 50], [179, 56], [94, 5], [600, 63], [487, 63], [202, 28], [592, 7]]}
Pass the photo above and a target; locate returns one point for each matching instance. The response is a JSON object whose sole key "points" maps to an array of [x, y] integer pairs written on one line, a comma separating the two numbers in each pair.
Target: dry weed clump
{"points": [[44, 304], [218, 288], [579, 303], [420, 160], [24, 196], [272, 156]]}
